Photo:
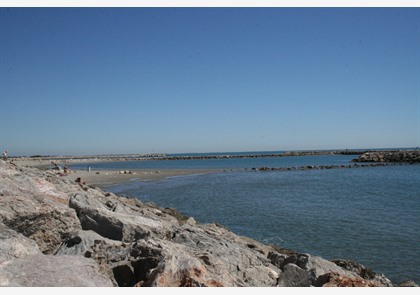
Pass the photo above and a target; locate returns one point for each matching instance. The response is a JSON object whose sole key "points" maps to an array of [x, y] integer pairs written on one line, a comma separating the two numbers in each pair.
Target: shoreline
{"points": [[69, 236], [110, 177], [107, 178], [102, 181]]}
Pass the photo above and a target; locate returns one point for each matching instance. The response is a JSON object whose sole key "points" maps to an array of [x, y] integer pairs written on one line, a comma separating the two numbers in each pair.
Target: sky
{"points": [[84, 81]]}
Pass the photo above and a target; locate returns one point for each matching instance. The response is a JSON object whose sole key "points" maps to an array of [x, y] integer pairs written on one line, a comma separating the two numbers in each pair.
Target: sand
{"points": [[106, 178]]}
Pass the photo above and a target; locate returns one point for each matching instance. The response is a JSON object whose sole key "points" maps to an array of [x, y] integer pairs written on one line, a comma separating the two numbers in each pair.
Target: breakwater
{"points": [[267, 155], [404, 156], [165, 157]]}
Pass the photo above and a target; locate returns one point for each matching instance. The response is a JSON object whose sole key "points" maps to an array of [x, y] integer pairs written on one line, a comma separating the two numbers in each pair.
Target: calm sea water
{"points": [[241, 163], [370, 215]]}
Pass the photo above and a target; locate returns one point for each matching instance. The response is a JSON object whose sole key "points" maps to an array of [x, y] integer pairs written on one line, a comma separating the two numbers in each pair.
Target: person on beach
{"points": [[5, 155], [66, 171], [80, 181], [56, 166]]}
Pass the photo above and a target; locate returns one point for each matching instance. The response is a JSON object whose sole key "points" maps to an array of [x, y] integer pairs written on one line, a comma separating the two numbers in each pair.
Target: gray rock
{"points": [[238, 260], [277, 259], [80, 242], [35, 207], [408, 283], [14, 245], [294, 276], [52, 271], [116, 226], [320, 266]]}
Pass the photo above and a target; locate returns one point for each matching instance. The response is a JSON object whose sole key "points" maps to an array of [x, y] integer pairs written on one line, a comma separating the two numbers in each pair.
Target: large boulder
{"points": [[34, 207], [115, 225], [15, 245]]}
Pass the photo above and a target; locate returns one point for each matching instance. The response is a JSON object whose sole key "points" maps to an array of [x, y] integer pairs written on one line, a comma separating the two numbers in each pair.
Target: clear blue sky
{"points": [[142, 80]]}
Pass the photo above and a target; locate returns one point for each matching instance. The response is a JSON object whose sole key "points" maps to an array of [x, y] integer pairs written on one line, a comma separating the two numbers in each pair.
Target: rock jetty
{"points": [[58, 233], [272, 155], [400, 156]]}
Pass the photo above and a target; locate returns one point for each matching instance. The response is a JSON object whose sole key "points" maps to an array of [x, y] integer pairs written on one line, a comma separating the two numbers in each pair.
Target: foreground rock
{"points": [[52, 271], [54, 232], [407, 156]]}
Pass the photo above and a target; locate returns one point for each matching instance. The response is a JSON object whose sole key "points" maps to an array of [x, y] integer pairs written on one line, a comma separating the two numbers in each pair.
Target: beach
{"points": [[104, 178]]}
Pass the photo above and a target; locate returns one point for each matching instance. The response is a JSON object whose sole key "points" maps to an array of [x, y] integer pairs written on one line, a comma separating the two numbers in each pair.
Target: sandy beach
{"points": [[105, 178]]}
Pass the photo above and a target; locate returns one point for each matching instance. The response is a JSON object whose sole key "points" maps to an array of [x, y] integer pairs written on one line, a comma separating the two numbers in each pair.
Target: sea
{"points": [[370, 215]]}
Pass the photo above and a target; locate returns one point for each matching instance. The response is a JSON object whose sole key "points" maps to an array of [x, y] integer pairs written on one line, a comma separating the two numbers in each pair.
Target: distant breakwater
{"points": [[273, 155], [405, 156], [372, 159], [165, 157]]}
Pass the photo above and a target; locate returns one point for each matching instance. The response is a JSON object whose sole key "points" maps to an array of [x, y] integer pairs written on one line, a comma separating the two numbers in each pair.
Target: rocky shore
{"points": [[58, 233]]}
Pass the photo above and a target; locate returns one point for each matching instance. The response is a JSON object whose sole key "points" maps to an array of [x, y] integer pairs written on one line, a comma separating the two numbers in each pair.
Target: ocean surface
{"points": [[370, 215]]}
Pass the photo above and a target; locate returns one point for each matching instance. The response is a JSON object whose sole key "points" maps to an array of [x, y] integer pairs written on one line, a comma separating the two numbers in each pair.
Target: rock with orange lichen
{"points": [[337, 280]]}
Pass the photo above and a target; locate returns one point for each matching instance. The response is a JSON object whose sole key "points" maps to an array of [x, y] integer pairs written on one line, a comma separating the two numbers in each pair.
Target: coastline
{"points": [[53, 187], [65, 234], [105, 178]]}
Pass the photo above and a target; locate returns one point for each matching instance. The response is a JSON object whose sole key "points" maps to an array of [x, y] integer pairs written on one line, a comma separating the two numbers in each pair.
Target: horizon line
{"points": [[213, 152]]}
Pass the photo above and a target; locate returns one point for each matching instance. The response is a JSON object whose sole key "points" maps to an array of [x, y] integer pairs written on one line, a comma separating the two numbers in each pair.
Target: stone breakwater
{"points": [[273, 155], [57, 233], [406, 156]]}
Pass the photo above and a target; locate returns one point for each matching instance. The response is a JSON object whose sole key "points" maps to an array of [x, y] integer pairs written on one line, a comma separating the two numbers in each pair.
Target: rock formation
{"points": [[55, 232]]}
